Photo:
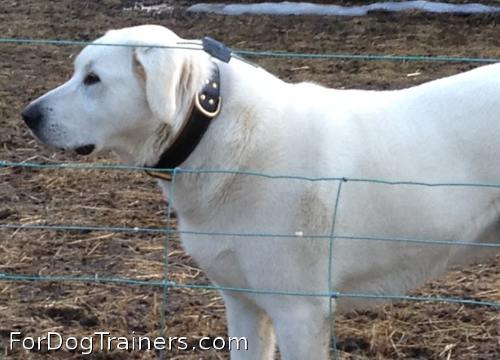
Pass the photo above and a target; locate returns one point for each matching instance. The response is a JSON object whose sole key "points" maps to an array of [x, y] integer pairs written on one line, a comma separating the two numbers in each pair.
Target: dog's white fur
{"points": [[442, 131]]}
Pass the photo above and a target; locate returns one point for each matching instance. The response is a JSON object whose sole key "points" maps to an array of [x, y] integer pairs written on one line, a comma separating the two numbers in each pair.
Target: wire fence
{"points": [[169, 232], [267, 53], [166, 284]]}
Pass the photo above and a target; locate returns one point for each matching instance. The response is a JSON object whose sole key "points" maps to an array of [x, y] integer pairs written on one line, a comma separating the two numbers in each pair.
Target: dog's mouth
{"points": [[85, 149]]}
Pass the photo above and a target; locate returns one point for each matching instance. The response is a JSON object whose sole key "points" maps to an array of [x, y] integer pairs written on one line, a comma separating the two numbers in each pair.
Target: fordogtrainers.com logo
{"points": [[103, 341]]}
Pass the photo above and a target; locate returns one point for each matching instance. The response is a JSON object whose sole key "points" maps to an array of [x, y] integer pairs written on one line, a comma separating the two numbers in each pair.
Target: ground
{"points": [[404, 330]]}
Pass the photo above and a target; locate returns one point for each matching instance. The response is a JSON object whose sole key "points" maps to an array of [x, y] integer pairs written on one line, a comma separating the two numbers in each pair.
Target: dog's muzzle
{"points": [[32, 116]]}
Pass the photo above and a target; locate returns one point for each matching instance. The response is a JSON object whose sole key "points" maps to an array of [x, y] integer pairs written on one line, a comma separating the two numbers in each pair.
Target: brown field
{"points": [[403, 330]]}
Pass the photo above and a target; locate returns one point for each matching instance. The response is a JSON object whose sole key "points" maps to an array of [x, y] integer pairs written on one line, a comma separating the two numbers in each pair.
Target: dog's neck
{"points": [[232, 141], [204, 108]]}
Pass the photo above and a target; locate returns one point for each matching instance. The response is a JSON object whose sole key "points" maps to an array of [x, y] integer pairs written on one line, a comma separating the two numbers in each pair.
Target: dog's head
{"points": [[125, 95]]}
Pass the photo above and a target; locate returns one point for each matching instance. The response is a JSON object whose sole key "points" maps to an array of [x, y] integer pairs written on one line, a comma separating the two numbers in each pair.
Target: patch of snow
{"points": [[304, 8]]}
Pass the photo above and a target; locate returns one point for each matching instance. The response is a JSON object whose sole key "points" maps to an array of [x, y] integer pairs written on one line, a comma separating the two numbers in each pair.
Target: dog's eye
{"points": [[91, 79]]}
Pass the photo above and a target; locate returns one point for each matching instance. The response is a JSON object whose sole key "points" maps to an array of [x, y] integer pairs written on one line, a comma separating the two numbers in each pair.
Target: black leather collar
{"points": [[206, 105]]}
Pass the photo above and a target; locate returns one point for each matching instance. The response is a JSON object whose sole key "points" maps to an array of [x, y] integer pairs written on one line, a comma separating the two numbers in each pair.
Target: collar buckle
{"points": [[210, 114], [208, 100]]}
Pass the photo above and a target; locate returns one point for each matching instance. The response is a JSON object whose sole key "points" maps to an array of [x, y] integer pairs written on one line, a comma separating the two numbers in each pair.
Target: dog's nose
{"points": [[32, 116]]}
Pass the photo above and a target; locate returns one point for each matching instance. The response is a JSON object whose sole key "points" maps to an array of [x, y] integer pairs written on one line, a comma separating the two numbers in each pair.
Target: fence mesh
{"points": [[169, 231]]}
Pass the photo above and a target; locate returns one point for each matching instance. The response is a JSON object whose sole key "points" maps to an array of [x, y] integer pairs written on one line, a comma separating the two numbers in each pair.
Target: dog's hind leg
{"points": [[246, 319]]}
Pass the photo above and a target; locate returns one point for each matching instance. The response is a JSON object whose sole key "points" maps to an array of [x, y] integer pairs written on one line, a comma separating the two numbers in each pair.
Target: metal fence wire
{"points": [[341, 183]]}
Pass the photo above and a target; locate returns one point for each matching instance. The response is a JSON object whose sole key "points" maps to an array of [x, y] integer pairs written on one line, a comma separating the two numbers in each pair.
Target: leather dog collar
{"points": [[206, 105]]}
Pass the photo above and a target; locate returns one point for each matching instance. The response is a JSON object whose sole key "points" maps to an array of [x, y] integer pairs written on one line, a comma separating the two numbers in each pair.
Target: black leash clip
{"points": [[216, 49]]}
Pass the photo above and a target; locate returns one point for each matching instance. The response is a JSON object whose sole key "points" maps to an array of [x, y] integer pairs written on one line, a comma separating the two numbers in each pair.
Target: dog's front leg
{"points": [[245, 319], [303, 328]]}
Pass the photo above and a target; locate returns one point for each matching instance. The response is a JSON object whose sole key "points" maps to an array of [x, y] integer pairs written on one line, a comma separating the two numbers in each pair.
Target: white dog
{"points": [[137, 100]]}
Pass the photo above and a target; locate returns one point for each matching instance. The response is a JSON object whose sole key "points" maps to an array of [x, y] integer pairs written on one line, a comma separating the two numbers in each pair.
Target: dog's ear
{"points": [[161, 70]]}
